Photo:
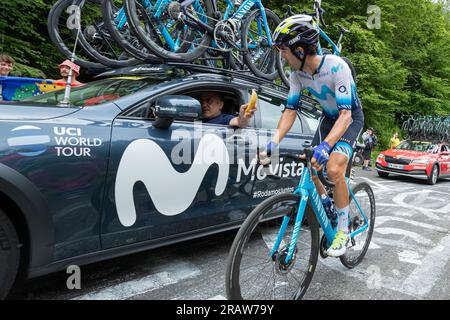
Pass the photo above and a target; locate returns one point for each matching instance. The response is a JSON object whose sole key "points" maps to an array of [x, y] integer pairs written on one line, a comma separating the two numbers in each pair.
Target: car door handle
{"points": [[306, 144]]}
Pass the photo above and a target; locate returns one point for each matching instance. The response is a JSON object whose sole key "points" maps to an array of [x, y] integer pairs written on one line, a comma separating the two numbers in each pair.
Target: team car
{"points": [[419, 159], [128, 166]]}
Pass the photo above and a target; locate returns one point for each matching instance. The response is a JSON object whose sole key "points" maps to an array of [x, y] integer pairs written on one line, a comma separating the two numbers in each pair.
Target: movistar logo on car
{"points": [[144, 160], [29, 141]]}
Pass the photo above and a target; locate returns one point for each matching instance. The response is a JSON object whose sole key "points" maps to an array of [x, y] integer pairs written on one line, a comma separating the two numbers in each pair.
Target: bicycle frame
{"points": [[307, 191]]}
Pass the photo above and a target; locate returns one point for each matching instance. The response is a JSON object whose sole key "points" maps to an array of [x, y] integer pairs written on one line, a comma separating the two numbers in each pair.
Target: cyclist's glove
{"points": [[321, 152]]}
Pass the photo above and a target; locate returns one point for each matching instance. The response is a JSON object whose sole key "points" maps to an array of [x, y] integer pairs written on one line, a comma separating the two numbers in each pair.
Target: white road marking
{"points": [[218, 297], [412, 235], [174, 272], [409, 257], [382, 219], [425, 276]]}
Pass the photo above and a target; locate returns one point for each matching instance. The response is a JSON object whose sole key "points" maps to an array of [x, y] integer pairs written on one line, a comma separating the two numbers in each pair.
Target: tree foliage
{"points": [[402, 67]]}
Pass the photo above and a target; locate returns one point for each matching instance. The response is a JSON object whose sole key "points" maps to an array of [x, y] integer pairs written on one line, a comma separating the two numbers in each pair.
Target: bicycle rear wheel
{"points": [[258, 55], [252, 273], [360, 243], [119, 30], [64, 39], [172, 39]]}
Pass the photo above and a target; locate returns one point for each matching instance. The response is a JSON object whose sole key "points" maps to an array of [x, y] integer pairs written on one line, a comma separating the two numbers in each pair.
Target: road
{"points": [[408, 258]]}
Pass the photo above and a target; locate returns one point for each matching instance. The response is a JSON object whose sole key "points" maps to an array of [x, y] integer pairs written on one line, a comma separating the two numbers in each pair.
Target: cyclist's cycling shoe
{"points": [[339, 245]]}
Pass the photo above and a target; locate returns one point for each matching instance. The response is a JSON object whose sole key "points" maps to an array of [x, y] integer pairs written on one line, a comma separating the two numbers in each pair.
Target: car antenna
{"points": [[75, 25]]}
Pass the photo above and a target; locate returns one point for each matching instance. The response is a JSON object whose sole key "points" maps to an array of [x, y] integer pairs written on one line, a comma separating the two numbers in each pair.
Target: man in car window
{"points": [[212, 104]]}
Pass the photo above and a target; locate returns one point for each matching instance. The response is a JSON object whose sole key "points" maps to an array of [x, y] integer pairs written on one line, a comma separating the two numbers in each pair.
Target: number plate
{"points": [[395, 166]]}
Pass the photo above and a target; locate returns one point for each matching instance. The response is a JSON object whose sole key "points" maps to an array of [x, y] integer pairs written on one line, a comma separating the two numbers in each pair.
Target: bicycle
{"points": [[92, 38], [277, 246], [210, 31], [318, 21]]}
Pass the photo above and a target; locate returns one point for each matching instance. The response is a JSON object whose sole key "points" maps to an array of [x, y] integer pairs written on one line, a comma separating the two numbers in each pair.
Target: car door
{"points": [[271, 107], [184, 179], [444, 160]]}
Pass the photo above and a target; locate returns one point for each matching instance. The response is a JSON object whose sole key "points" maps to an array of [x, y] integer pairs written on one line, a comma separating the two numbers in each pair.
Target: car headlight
{"points": [[380, 156], [420, 161]]}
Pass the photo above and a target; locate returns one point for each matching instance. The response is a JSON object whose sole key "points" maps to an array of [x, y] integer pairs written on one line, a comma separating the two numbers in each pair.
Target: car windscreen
{"points": [[97, 92], [422, 146]]}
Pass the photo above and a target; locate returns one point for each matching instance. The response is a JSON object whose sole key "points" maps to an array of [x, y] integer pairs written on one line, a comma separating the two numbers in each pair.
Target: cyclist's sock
{"points": [[343, 218]]}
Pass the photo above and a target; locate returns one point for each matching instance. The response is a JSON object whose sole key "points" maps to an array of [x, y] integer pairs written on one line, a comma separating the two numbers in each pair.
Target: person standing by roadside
{"points": [[6, 65], [64, 69], [369, 145], [395, 141]]}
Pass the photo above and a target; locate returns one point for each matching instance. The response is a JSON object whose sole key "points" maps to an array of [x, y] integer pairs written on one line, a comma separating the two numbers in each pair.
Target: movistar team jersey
{"points": [[332, 85]]}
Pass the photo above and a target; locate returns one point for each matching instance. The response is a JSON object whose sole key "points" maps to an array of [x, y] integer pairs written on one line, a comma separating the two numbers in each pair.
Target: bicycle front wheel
{"points": [[252, 273], [360, 243]]}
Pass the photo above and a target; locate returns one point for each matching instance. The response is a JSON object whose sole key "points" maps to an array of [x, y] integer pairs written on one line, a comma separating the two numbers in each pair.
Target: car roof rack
{"points": [[310, 104], [226, 72]]}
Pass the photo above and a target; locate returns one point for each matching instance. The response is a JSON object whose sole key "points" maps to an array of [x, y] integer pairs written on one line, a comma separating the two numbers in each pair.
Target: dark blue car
{"points": [[129, 166]]}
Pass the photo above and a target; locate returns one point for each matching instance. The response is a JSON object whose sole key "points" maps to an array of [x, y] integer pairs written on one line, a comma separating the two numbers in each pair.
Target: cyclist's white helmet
{"points": [[296, 31]]}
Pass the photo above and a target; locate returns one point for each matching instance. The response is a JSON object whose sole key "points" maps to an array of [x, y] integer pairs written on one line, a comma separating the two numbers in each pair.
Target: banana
{"points": [[252, 103]]}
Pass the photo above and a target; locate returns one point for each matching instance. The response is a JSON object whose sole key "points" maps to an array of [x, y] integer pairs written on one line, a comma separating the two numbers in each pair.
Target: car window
{"points": [[97, 92], [445, 148], [422, 146], [271, 110]]}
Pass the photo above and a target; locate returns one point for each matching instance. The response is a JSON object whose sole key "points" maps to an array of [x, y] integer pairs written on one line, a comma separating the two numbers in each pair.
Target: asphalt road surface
{"points": [[409, 258]]}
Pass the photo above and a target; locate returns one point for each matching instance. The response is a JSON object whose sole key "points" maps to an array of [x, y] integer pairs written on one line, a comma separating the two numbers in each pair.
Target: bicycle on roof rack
{"points": [[318, 21], [244, 30]]}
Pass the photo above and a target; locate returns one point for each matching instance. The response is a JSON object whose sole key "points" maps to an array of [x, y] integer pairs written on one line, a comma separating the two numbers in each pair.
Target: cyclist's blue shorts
{"points": [[347, 143]]}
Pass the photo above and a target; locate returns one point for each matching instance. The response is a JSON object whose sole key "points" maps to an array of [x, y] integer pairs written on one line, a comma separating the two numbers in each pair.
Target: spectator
{"points": [[6, 65], [395, 141], [212, 104], [64, 69], [369, 141]]}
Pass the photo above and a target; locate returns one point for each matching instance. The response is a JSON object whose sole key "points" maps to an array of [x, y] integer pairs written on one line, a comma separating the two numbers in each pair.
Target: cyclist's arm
{"points": [[290, 112], [344, 90]]}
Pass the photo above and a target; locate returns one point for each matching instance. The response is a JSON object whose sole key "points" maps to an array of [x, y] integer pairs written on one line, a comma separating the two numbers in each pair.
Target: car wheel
{"points": [[9, 254], [432, 178], [358, 160], [382, 174]]}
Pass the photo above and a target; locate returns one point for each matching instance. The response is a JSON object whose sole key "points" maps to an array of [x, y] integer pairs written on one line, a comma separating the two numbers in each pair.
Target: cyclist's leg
{"points": [[340, 156], [322, 131]]}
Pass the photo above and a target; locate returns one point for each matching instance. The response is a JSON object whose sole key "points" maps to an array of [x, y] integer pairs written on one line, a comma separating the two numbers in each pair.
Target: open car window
{"points": [[97, 92]]}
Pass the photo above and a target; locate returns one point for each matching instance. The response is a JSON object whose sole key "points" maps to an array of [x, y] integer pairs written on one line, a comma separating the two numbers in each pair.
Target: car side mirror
{"points": [[169, 108], [445, 153]]}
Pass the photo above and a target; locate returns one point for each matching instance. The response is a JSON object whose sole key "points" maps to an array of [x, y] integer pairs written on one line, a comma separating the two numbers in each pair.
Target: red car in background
{"points": [[420, 159]]}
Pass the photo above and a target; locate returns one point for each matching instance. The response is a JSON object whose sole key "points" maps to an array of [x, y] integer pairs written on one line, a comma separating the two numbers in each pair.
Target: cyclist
{"points": [[329, 79]]}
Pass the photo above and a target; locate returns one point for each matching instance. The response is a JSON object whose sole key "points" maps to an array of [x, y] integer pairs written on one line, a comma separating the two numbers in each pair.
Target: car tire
{"points": [[434, 175], [383, 174], [9, 254], [358, 160]]}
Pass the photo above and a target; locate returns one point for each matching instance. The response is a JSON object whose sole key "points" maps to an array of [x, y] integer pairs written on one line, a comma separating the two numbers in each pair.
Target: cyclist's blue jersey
{"points": [[332, 85]]}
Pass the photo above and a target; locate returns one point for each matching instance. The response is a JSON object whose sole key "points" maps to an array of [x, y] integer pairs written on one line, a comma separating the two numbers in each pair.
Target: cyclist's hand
{"points": [[321, 155], [264, 159]]}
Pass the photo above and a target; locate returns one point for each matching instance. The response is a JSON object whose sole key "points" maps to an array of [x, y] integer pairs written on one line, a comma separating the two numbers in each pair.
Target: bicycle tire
{"points": [[55, 36], [134, 48], [183, 54], [257, 221], [348, 260], [270, 54], [113, 54]]}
